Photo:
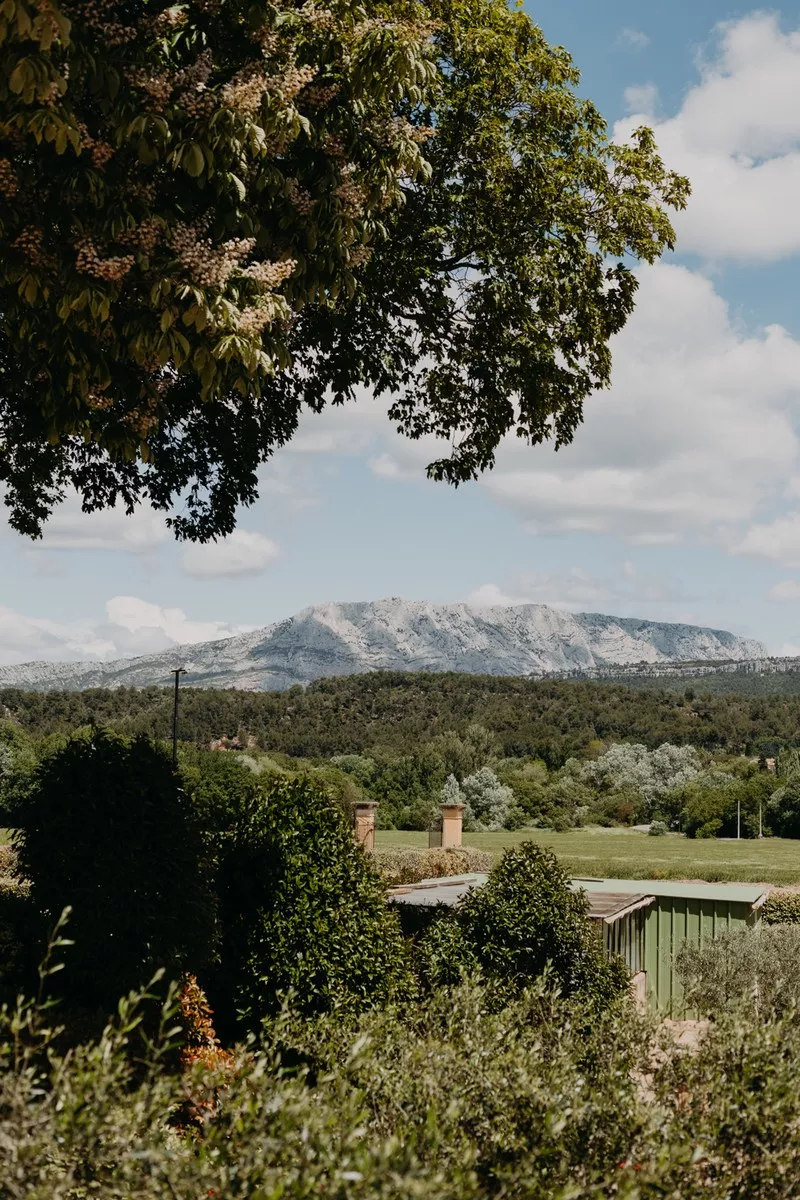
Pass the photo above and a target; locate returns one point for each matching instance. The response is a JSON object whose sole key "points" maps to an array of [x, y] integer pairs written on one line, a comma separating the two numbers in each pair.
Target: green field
{"points": [[626, 854]]}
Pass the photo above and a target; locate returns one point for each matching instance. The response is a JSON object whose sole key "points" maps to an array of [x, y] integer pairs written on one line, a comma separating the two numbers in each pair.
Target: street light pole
{"points": [[177, 672]]}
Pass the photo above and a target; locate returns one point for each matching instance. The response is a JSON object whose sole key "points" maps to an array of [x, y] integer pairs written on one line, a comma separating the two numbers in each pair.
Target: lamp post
{"points": [[177, 672]]}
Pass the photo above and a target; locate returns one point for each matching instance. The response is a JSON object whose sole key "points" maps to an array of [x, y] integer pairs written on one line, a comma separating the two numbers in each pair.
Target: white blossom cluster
{"points": [[270, 275], [90, 261], [204, 263]]}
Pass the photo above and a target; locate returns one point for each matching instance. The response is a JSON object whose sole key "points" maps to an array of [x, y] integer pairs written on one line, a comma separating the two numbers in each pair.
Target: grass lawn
{"points": [[626, 854]]}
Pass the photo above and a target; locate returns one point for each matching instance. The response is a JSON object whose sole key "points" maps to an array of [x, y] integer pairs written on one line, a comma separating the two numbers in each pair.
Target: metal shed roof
{"points": [[430, 892], [753, 894], [607, 904]]}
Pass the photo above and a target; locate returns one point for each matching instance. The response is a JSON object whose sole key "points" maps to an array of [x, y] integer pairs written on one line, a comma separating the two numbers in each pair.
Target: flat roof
{"points": [[608, 898], [604, 905], [430, 892], [736, 893]]}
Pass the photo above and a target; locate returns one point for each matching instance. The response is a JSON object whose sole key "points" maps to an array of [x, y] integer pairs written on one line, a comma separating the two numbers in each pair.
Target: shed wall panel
{"points": [[669, 923]]}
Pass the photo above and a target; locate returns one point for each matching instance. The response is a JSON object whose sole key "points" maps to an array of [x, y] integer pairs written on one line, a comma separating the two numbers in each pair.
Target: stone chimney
{"points": [[452, 817], [364, 823]]}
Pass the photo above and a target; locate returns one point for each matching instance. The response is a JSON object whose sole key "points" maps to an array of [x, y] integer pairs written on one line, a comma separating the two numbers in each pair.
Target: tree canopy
{"points": [[214, 217]]}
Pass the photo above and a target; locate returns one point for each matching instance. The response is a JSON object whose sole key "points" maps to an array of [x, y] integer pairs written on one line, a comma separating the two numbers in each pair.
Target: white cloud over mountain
{"points": [[69, 528], [622, 591], [131, 626], [241, 553]]}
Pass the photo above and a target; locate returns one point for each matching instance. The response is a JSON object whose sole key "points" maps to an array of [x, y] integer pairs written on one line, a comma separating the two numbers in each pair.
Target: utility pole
{"points": [[177, 672]]}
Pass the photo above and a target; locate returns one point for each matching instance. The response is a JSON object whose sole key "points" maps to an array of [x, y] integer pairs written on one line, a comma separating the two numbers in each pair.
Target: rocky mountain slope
{"points": [[395, 635]]}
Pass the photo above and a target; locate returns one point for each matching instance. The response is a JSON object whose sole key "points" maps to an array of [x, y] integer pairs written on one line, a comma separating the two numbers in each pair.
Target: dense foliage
{"points": [[516, 753], [214, 216], [400, 710], [446, 1099], [755, 969], [176, 183], [302, 910], [524, 920], [107, 829], [782, 908]]}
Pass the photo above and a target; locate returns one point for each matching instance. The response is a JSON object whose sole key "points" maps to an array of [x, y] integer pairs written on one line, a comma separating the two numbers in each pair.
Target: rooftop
{"points": [[738, 893], [609, 899], [604, 905]]}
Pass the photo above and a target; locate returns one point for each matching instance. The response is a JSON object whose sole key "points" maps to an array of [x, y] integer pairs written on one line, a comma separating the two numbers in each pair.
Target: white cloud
{"points": [[622, 591], [778, 540], [489, 595], [635, 38], [642, 99], [694, 440], [737, 137], [131, 626], [787, 589], [69, 528], [241, 553]]}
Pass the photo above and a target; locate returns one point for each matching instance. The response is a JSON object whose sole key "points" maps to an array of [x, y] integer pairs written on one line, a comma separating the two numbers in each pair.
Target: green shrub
{"points": [[525, 919], [407, 864], [302, 909], [107, 830], [657, 829], [782, 908], [758, 968], [542, 1099]]}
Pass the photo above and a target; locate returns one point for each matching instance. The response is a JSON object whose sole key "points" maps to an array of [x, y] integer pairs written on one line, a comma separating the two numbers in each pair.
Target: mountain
{"points": [[394, 635]]}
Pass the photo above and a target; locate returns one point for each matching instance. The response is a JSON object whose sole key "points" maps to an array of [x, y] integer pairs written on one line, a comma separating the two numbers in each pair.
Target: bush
{"points": [[453, 1099], [107, 829], [782, 908], [657, 829], [524, 920], [406, 864], [758, 968], [302, 909]]}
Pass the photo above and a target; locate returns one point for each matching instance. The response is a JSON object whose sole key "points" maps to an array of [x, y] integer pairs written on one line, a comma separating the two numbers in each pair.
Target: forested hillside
{"points": [[549, 720]]}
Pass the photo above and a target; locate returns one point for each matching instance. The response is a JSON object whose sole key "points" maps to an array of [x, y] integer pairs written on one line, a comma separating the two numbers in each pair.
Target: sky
{"points": [[679, 499]]}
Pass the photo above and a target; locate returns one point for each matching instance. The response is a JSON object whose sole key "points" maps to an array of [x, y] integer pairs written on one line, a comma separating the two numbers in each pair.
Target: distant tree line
{"points": [[395, 711], [517, 754]]}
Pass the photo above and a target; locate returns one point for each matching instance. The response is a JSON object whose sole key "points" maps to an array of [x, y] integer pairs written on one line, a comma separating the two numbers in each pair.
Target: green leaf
{"points": [[192, 159]]}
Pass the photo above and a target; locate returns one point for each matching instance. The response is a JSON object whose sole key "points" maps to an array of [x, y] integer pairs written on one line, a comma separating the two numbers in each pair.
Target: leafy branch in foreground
{"points": [[213, 218]]}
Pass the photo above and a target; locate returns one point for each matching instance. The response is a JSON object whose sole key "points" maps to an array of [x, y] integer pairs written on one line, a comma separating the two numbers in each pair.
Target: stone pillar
{"points": [[364, 823], [452, 816]]}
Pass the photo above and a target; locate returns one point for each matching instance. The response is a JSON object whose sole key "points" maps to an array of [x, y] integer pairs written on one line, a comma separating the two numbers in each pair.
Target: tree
{"points": [[17, 763], [487, 801], [524, 919], [107, 829], [784, 809], [214, 217], [176, 182], [301, 909], [650, 773]]}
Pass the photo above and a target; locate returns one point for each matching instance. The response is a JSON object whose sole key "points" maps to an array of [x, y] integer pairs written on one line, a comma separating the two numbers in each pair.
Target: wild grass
{"points": [[629, 854]]}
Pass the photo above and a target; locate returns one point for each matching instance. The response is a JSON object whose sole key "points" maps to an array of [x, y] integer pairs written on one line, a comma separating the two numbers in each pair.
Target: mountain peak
{"points": [[392, 634]]}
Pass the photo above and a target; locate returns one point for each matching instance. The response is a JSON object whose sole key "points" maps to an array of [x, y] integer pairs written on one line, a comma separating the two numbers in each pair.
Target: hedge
{"points": [[406, 864], [782, 908]]}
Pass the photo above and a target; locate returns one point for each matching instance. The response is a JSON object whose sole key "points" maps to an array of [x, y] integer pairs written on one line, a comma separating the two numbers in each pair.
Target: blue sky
{"points": [[680, 499]]}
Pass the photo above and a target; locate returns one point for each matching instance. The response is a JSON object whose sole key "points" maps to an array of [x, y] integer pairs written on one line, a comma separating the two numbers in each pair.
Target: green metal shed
{"points": [[680, 912], [645, 921]]}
